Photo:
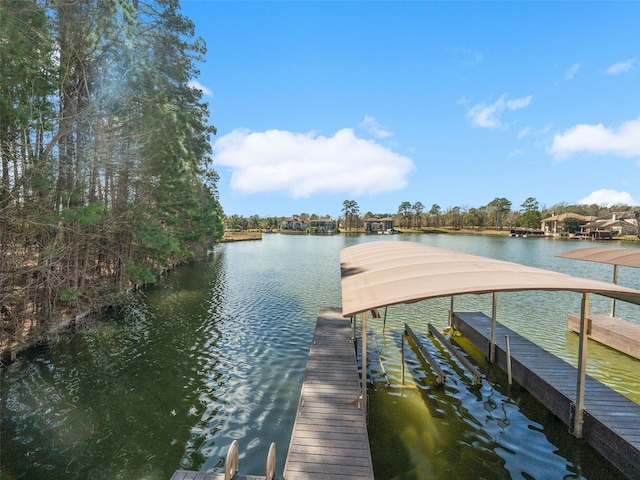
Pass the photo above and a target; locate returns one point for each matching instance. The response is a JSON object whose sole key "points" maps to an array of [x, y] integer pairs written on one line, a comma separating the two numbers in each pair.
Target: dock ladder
{"points": [[231, 468]]}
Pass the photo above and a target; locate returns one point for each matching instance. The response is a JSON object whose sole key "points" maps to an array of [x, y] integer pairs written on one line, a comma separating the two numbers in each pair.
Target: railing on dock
{"points": [[231, 468]]}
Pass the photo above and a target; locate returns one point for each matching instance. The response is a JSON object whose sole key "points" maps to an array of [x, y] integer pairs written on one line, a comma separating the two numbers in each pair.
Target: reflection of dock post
{"points": [[403, 335]]}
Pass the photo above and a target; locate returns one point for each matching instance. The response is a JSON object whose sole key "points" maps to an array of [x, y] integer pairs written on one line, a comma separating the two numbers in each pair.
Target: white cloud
{"points": [[488, 116], [623, 141], [197, 85], [370, 125], [302, 165], [571, 71], [525, 132], [608, 197], [620, 67]]}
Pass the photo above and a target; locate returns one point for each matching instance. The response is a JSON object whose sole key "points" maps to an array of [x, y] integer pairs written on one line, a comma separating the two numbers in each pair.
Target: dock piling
{"points": [[508, 346], [609, 421], [578, 418]]}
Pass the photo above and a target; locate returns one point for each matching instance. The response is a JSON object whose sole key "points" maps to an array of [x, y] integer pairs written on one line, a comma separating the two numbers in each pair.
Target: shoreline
{"points": [[70, 323]]}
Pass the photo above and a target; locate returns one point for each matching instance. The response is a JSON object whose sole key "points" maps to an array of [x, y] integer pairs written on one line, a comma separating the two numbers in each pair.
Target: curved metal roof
{"points": [[626, 257], [382, 273]]}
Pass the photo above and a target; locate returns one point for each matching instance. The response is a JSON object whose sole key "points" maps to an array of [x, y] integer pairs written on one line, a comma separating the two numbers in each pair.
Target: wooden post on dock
{"points": [[508, 352], [492, 346], [578, 417], [384, 321], [451, 313], [354, 337], [364, 363], [615, 280]]}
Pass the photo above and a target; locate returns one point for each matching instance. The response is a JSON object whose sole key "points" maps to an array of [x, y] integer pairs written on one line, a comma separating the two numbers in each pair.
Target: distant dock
{"points": [[611, 331], [611, 421]]}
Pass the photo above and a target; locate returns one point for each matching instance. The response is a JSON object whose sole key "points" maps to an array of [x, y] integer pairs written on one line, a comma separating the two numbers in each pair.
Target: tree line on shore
{"points": [[105, 152], [498, 214]]}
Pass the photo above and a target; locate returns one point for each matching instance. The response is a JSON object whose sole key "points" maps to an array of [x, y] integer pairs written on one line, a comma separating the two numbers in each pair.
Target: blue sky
{"points": [[448, 103]]}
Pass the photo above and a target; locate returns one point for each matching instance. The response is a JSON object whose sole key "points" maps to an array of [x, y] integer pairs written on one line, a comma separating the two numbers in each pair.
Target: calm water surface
{"points": [[217, 353]]}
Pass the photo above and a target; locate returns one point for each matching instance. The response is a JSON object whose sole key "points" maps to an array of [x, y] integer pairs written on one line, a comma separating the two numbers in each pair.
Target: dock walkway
{"points": [[611, 421], [611, 331], [330, 439]]}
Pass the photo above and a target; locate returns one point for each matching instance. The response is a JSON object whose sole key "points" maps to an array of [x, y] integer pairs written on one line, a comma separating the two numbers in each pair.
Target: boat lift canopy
{"points": [[383, 273], [626, 257]]}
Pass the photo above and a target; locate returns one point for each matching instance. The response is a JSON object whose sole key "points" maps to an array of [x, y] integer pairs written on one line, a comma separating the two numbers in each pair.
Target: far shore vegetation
{"points": [[498, 217]]}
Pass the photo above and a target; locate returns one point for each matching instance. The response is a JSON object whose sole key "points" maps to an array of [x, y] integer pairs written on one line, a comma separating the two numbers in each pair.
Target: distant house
{"points": [[555, 224], [378, 225], [322, 225], [293, 223], [614, 224]]}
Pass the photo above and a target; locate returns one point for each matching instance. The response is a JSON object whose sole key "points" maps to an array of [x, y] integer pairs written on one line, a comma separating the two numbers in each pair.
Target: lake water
{"points": [[217, 351]]}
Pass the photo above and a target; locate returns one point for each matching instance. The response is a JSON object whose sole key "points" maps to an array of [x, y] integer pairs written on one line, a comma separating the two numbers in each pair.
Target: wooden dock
{"points": [[611, 331], [330, 439], [611, 421]]}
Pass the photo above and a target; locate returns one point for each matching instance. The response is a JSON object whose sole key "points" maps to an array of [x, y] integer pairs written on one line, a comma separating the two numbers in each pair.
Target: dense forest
{"points": [[105, 150]]}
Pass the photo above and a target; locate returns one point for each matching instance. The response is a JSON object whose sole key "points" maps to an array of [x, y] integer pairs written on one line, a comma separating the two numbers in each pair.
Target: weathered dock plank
{"points": [[611, 421], [611, 331], [330, 439]]}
